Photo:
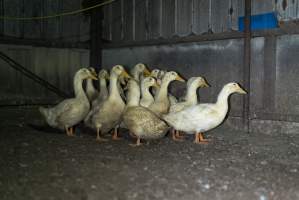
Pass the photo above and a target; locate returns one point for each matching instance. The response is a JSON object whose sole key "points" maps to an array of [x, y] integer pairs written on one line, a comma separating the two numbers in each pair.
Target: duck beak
{"points": [[92, 76], [146, 72], [125, 74], [156, 85], [178, 78], [241, 91], [205, 84]]}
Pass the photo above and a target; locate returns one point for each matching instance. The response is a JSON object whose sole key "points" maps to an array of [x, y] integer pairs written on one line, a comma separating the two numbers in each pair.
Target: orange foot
{"points": [[138, 143], [174, 135], [199, 139], [115, 135]]}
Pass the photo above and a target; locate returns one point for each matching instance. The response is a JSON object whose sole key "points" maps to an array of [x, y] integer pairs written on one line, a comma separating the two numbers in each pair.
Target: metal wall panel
{"points": [[154, 16], [117, 21], [58, 66], [33, 28], [141, 21], [67, 28], [168, 18], [201, 16], [128, 19], [220, 15], [52, 27], [208, 59], [183, 17]]}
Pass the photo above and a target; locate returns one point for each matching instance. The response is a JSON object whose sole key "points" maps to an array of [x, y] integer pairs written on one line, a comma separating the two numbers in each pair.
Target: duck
{"points": [[158, 74], [139, 71], [146, 97], [108, 114], [161, 104], [193, 84], [102, 95], [103, 76], [91, 92], [141, 121], [71, 111], [200, 118]]}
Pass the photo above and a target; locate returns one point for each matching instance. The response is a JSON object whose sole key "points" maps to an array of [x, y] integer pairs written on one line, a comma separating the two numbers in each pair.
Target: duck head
{"points": [[234, 88], [93, 71], [103, 74], [150, 82], [141, 68], [85, 73], [171, 76], [197, 82], [119, 70]]}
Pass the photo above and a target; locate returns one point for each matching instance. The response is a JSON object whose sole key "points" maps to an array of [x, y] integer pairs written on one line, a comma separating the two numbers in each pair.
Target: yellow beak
{"points": [[178, 78], [156, 85], [241, 91], [205, 84], [125, 74], [92, 76], [146, 72]]}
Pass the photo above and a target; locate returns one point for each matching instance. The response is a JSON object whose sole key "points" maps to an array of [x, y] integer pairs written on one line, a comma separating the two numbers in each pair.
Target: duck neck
{"points": [[146, 94], [222, 99], [163, 91], [103, 86], [113, 89], [136, 75], [89, 86], [133, 97], [78, 89], [191, 96]]}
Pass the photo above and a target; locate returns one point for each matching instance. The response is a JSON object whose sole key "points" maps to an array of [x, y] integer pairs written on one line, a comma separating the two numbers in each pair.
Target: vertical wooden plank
{"points": [[128, 20], [117, 21], [52, 26], [184, 17], [200, 16], [220, 17], [168, 18], [13, 8], [32, 28], [155, 12], [141, 27]]}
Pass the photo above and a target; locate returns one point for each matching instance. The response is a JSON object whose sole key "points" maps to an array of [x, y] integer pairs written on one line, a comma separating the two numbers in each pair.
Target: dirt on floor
{"points": [[41, 163]]}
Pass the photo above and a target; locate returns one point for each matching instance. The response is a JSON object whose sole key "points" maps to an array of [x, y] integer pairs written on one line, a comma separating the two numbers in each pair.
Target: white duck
{"points": [[142, 122], [139, 71], [103, 76], [91, 92], [203, 117], [193, 84], [159, 74], [108, 115], [146, 96], [70, 111], [161, 104], [103, 94]]}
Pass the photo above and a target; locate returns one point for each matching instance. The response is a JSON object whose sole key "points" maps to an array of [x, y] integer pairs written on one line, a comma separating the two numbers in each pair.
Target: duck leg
{"points": [[67, 131], [100, 139], [174, 134], [199, 139], [178, 135], [71, 131], [138, 143], [115, 134]]}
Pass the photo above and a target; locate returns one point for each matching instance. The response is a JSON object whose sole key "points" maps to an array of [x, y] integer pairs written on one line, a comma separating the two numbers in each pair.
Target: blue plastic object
{"points": [[261, 21]]}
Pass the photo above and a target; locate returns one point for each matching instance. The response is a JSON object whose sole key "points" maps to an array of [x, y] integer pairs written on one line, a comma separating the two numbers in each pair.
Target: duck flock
{"points": [[139, 102]]}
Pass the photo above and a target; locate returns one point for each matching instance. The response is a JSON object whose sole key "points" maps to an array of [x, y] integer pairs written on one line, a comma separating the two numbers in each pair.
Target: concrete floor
{"points": [[46, 164]]}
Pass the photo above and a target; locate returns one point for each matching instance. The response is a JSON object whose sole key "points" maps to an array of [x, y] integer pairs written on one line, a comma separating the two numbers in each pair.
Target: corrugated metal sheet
{"points": [[68, 28], [149, 19], [55, 65]]}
